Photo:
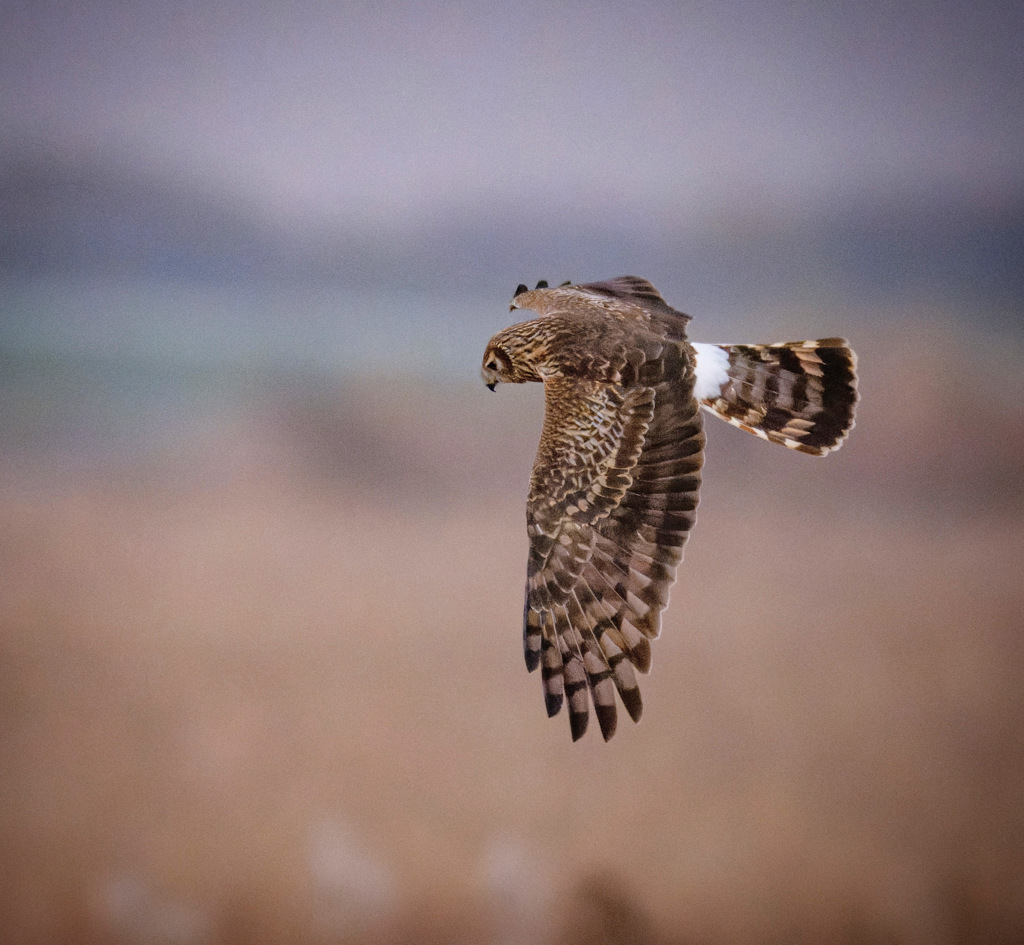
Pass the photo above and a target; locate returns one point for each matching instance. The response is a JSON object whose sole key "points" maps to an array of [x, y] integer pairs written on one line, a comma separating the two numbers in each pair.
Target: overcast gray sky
{"points": [[391, 115]]}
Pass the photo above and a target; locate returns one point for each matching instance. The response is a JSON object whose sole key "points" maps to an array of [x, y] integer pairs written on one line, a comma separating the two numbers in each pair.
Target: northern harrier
{"points": [[614, 489]]}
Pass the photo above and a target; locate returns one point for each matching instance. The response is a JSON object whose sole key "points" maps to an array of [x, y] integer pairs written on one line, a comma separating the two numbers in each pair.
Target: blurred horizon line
{"points": [[106, 217]]}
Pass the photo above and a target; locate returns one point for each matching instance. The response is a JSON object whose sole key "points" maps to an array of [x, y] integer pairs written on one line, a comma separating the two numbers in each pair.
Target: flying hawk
{"points": [[614, 489]]}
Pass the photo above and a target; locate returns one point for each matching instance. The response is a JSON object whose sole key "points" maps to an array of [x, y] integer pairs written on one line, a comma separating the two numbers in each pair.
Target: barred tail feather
{"points": [[802, 394]]}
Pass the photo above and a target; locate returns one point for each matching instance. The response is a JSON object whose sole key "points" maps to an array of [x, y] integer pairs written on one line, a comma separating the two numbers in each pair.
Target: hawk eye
{"points": [[498, 360]]}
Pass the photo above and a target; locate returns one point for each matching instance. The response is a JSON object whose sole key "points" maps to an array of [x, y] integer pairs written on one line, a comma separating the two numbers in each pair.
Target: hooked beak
{"points": [[492, 385]]}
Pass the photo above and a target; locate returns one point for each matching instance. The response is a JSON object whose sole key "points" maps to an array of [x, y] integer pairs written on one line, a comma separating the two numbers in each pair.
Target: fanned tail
{"points": [[802, 394]]}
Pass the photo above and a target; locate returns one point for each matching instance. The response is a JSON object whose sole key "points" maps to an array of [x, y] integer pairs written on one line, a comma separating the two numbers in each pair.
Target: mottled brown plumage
{"points": [[614, 489]]}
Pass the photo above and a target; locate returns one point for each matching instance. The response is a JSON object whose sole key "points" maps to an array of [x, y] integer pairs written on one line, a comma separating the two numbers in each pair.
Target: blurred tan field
{"points": [[264, 684]]}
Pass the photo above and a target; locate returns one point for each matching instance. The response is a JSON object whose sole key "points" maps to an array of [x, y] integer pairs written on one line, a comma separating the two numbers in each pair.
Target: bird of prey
{"points": [[614, 489]]}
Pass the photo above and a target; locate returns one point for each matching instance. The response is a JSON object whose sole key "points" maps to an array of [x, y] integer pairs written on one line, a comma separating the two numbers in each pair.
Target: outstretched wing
{"points": [[613, 497]]}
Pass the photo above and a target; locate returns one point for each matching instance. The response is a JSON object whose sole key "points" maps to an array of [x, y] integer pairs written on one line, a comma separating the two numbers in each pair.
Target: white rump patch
{"points": [[712, 371]]}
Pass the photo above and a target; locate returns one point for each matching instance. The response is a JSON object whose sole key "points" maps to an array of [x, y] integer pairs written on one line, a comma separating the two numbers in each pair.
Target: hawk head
{"points": [[497, 366], [512, 357]]}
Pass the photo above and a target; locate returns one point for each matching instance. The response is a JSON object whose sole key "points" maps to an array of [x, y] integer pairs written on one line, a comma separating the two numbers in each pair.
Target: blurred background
{"points": [[262, 536]]}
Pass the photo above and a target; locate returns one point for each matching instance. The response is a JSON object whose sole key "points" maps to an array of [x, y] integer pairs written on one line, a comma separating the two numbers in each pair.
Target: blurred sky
{"points": [[464, 147], [370, 114]]}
